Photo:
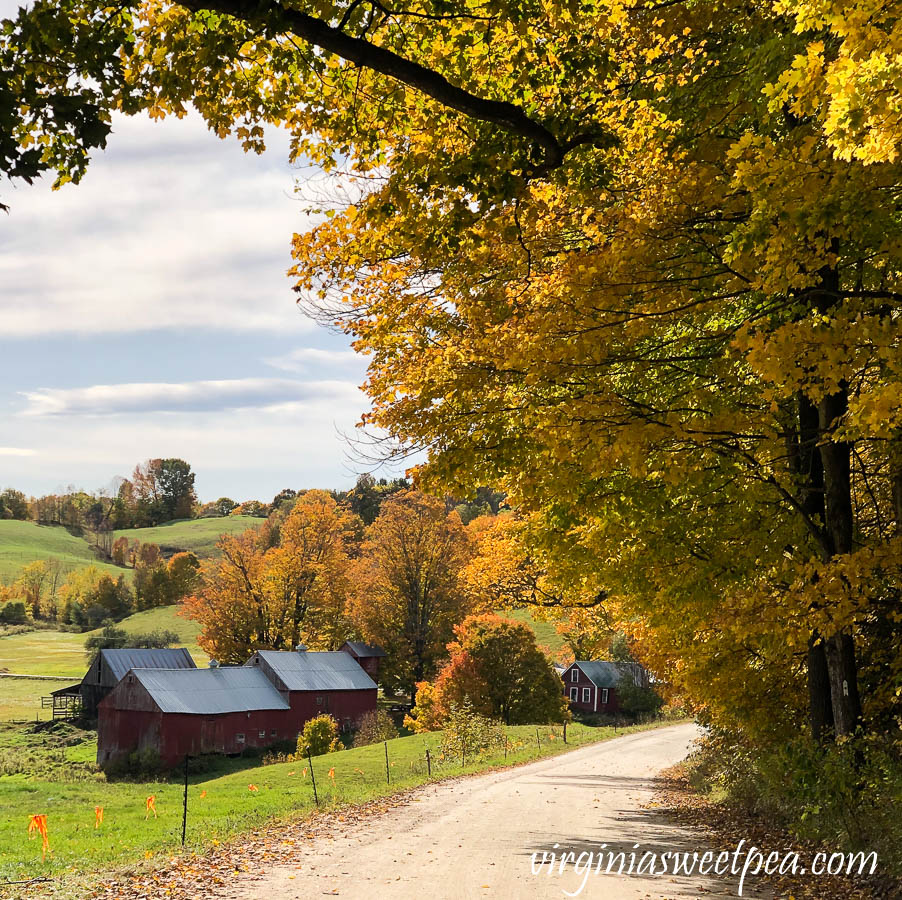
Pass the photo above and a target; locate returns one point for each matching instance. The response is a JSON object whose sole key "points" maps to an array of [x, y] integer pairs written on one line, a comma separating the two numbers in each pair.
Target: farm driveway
{"points": [[474, 837]]}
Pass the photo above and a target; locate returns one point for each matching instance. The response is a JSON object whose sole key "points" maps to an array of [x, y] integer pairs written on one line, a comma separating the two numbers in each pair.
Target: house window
{"points": [[604, 695], [274, 733], [587, 695], [574, 694], [319, 701], [239, 738], [261, 734], [574, 674]]}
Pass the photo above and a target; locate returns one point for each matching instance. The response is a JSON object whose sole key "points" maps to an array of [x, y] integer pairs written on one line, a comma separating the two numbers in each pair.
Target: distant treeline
{"points": [[161, 490]]}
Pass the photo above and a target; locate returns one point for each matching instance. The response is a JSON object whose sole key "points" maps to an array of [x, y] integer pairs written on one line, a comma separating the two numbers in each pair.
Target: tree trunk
{"points": [[820, 701], [839, 523]]}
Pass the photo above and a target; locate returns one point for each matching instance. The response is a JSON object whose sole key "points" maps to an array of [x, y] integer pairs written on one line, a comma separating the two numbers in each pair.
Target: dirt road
{"points": [[475, 837]]}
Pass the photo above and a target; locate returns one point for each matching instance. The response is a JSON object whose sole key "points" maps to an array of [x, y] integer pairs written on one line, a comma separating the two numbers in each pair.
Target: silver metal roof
{"points": [[605, 674], [315, 671], [120, 661], [362, 649], [210, 691]]}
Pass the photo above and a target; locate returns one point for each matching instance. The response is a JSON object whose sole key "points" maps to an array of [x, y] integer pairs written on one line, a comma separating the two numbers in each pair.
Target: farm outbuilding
{"points": [[369, 656], [225, 709], [185, 712], [319, 682], [591, 685], [110, 666]]}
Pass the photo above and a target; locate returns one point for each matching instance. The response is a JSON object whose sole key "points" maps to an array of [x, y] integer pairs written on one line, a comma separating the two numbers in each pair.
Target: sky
{"points": [[146, 313]]}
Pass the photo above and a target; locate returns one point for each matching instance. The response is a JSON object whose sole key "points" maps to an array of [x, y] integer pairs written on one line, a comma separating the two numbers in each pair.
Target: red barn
{"points": [[368, 655], [325, 682], [187, 712], [591, 685]]}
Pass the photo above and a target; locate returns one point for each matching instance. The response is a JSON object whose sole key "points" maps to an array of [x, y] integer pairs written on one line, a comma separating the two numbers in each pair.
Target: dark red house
{"points": [[224, 709], [591, 685], [187, 712], [369, 656], [313, 683]]}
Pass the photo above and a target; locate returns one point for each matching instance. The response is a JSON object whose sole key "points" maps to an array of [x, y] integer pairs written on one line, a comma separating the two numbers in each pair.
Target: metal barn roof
{"points": [[362, 649], [607, 674], [316, 671], [209, 691], [120, 661]]}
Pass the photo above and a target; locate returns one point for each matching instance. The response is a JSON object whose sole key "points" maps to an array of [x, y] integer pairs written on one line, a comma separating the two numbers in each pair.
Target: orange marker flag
{"points": [[305, 773], [39, 824], [252, 787], [332, 773], [98, 816], [150, 805], [203, 794]]}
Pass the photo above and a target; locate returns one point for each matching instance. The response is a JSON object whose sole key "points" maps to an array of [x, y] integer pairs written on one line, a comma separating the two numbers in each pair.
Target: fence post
{"points": [[428, 764], [538, 742], [505, 746], [387, 773], [312, 777], [565, 732], [185, 804]]}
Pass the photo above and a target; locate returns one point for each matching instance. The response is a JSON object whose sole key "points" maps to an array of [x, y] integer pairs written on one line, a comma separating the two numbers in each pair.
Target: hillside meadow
{"points": [[236, 798]]}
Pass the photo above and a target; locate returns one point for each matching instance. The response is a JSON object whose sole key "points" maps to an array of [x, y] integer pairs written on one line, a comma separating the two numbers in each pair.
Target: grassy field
{"points": [[546, 634], [227, 808], [197, 535], [63, 653], [24, 542]]}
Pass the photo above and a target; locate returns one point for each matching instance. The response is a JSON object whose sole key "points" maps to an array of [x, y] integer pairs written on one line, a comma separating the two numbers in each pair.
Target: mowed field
{"points": [[24, 542], [63, 653], [197, 535]]}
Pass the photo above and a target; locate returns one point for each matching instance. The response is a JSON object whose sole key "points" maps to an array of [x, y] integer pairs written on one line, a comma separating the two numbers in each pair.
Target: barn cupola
{"points": [[213, 664], [301, 648]]}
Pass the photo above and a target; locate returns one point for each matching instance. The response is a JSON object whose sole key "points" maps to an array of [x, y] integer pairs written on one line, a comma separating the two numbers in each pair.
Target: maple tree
{"points": [[496, 667], [635, 265], [408, 592], [265, 594]]}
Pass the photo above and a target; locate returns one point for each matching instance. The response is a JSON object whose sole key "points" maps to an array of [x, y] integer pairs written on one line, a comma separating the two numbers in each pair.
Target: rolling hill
{"points": [[197, 535], [25, 542]]}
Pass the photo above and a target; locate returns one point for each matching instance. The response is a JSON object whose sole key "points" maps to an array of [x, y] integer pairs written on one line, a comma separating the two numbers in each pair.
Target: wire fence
{"points": [[112, 822]]}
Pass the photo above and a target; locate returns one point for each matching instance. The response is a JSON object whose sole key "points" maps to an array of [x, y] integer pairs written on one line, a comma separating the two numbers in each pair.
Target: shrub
{"points": [[635, 701], [467, 733], [14, 612], [375, 727], [320, 735]]}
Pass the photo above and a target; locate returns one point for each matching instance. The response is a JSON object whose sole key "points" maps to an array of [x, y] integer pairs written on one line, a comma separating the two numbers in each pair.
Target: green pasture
{"points": [[63, 652], [22, 543], [229, 807], [197, 535]]}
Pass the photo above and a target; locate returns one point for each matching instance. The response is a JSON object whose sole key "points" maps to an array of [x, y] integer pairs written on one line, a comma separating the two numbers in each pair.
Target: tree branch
{"points": [[506, 115]]}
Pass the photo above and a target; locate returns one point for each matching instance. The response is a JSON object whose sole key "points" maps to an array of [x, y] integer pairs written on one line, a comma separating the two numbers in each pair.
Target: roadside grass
{"points": [[197, 535], [25, 542], [63, 652], [222, 806]]}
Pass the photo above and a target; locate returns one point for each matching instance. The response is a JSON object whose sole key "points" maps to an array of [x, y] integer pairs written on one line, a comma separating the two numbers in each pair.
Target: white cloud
{"points": [[170, 228], [304, 358], [15, 451], [195, 396]]}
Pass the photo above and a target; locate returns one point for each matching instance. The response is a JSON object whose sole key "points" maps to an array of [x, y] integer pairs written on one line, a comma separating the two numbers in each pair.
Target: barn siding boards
{"points": [[109, 667]]}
